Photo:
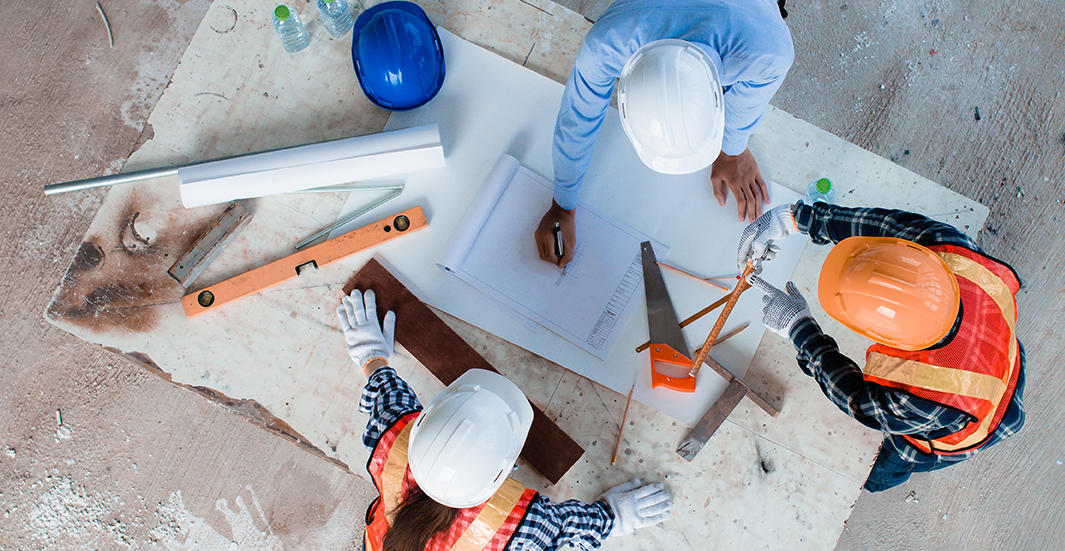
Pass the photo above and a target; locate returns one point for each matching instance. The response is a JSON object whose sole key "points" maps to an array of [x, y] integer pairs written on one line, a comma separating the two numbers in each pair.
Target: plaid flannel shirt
{"points": [[891, 411], [546, 526]]}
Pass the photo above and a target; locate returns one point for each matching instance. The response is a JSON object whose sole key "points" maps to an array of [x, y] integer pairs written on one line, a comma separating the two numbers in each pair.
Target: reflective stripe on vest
{"points": [[509, 501], [985, 395]]}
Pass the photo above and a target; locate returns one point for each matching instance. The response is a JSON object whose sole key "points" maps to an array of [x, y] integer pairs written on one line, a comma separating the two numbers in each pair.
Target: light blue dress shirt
{"points": [[747, 39]]}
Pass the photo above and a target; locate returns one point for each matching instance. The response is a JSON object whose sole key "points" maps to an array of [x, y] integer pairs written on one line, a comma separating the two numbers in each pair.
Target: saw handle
{"points": [[665, 354], [741, 286]]}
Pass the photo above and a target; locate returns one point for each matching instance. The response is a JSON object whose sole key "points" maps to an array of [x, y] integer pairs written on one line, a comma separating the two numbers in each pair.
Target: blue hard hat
{"points": [[397, 55]]}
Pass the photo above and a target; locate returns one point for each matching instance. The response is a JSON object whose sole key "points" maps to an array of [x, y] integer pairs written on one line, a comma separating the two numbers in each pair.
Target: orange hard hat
{"points": [[893, 291]]}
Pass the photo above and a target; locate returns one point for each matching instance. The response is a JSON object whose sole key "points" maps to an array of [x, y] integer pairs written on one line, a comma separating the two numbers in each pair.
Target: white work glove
{"points": [[636, 506], [781, 310], [758, 237], [365, 338]]}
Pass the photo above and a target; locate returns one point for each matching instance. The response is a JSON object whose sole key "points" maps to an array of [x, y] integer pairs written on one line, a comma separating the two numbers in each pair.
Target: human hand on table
{"points": [[740, 173], [758, 236], [545, 235], [367, 340], [637, 506], [781, 310]]}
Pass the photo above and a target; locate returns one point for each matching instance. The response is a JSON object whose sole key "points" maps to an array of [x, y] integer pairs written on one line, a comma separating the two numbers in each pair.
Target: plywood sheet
{"points": [[782, 483]]}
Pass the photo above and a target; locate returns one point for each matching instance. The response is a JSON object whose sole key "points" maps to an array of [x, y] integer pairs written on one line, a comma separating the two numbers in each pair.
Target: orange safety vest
{"points": [[487, 527], [977, 371]]}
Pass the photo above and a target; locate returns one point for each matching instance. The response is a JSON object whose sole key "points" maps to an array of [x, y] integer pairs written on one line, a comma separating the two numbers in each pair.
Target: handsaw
{"points": [[667, 340]]}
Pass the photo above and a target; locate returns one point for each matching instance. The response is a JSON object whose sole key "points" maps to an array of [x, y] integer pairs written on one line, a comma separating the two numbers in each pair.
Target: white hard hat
{"points": [[465, 442], [672, 107]]}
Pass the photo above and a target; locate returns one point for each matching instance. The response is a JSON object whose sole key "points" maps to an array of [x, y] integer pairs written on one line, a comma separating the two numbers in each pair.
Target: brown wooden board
{"points": [[707, 426], [443, 352]]}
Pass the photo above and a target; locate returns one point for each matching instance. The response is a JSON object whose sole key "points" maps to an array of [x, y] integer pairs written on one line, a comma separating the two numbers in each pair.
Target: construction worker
{"points": [[695, 79], [947, 375], [442, 472]]}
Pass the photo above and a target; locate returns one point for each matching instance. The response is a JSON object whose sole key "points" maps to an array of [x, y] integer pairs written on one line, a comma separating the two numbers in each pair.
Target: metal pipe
{"points": [[114, 179]]}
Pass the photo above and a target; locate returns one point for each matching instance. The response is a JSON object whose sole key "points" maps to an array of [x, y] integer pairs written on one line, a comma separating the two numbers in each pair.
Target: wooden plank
{"points": [[707, 426], [444, 353], [284, 269]]}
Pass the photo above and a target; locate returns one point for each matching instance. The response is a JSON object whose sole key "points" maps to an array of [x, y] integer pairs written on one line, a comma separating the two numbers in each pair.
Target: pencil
{"points": [[621, 429], [705, 280]]}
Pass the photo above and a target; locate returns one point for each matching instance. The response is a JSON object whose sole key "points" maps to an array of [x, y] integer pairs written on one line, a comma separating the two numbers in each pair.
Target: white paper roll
{"points": [[310, 166]]}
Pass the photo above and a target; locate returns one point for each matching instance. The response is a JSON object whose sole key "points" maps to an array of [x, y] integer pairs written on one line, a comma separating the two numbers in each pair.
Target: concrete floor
{"points": [[965, 93]]}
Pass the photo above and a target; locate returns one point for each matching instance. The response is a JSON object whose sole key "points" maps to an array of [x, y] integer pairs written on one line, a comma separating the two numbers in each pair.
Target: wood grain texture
{"points": [[443, 352]]}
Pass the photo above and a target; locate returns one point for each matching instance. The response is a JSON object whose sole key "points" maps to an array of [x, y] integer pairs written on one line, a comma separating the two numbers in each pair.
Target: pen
{"points": [[560, 245]]}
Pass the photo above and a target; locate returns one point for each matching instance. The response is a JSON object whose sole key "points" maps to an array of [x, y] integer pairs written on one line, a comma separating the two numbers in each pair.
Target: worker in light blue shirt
{"points": [[695, 79]]}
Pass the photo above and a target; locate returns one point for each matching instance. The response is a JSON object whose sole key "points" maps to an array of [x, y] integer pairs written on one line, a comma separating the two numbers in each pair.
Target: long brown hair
{"points": [[417, 520]]}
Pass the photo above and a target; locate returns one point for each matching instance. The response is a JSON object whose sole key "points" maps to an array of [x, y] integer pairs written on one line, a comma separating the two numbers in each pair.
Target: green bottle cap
{"points": [[824, 185], [281, 12]]}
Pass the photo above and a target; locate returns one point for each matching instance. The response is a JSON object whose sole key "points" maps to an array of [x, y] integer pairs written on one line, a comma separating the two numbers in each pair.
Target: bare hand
{"points": [[545, 235], [740, 173]]}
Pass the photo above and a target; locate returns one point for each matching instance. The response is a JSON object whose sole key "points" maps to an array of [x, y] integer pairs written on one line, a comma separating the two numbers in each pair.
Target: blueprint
{"points": [[493, 250]]}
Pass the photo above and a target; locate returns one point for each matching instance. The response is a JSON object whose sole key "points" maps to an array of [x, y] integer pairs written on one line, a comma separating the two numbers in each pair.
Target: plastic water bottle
{"points": [[289, 27], [336, 17], [820, 190]]}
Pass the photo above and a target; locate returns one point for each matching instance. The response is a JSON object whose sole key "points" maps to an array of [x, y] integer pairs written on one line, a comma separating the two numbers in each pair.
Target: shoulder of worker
{"points": [[746, 29]]}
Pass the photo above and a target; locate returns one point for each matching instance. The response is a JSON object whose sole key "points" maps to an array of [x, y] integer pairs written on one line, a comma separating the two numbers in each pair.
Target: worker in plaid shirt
{"points": [[947, 375], [447, 494]]}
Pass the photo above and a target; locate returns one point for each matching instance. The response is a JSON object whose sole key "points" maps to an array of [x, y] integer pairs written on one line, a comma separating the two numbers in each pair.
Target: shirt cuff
{"points": [[567, 199], [734, 146], [804, 216]]}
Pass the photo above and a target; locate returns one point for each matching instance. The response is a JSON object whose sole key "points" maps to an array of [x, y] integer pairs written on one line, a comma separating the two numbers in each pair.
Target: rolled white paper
{"points": [[310, 166]]}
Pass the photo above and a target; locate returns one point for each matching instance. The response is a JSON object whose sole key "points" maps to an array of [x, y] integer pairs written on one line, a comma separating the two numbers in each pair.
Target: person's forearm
{"points": [[745, 105], [584, 104], [549, 526], [826, 223], [386, 398]]}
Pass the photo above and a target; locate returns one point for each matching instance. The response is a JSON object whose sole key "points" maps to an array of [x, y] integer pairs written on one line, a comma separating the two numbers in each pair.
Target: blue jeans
{"points": [[891, 469]]}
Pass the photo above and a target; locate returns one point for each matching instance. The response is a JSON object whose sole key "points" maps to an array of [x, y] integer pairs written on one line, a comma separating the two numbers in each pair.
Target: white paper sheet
{"points": [[490, 106], [493, 251], [310, 166]]}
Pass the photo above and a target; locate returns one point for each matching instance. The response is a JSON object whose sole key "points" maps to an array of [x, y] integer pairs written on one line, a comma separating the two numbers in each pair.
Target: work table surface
{"points": [[278, 357]]}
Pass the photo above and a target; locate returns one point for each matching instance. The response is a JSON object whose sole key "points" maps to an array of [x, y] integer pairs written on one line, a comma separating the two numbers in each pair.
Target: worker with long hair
{"points": [[946, 377], [443, 472]]}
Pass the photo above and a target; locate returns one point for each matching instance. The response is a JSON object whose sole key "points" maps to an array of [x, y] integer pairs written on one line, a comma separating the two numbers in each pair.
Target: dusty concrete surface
{"points": [[967, 94], [95, 452], [964, 93]]}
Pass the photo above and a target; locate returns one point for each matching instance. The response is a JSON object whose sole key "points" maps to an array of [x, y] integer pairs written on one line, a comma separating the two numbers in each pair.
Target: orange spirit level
{"points": [[284, 269]]}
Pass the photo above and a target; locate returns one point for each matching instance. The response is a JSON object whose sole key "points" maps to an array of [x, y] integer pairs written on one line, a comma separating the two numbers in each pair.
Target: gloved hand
{"points": [[364, 335], [636, 506], [780, 310], [773, 225]]}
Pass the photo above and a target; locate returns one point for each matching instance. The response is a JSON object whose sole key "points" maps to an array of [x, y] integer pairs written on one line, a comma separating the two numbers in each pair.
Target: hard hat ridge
{"points": [[465, 442], [671, 106]]}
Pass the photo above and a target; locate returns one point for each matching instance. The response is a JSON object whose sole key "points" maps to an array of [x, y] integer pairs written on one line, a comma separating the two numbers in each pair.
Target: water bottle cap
{"points": [[327, 1], [281, 12], [824, 185]]}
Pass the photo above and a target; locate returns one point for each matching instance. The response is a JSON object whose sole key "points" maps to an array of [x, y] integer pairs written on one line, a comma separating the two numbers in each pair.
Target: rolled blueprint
{"points": [[311, 166]]}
